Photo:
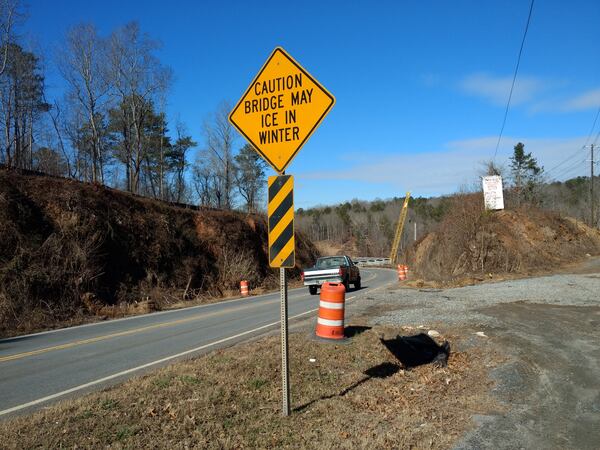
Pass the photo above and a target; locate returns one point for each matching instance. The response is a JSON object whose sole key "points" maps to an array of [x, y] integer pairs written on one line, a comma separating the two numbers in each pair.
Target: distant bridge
{"points": [[371, 261]]}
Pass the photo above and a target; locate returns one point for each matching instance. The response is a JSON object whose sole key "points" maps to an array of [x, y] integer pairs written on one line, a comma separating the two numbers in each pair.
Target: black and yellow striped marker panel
{"points": [[282, 247]]}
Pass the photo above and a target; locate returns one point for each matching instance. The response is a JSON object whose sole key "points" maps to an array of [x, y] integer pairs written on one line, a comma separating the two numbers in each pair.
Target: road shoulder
{"points": [[547, 331]]}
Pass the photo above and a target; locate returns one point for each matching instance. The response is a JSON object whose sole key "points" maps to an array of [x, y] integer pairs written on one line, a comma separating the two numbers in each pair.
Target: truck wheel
{"points": [[346, 284], [312, 290], [357, 284]]}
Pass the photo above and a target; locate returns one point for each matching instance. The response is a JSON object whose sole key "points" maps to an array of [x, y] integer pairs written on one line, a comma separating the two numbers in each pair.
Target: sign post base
{"points": [[285, 373]]}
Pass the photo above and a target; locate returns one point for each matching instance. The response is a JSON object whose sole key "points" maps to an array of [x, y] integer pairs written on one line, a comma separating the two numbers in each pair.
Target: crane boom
{"points": [[399, 229]]}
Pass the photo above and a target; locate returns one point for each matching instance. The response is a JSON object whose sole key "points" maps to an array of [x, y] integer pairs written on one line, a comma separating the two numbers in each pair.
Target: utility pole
{"points": [[593, 224], [593, 221]]}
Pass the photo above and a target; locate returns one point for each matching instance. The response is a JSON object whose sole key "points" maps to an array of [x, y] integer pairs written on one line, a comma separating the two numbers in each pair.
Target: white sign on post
{"points": [[492, 192]]}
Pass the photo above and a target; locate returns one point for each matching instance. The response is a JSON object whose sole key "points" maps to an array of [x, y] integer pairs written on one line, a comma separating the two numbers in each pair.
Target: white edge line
{"points": [[153, 314], [143, 366], [150, 364], [139, 316]]}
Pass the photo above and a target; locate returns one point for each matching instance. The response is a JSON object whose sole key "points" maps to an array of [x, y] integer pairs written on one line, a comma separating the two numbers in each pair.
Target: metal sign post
{"points": [[285, 372], [282, 251], [277, 114]]}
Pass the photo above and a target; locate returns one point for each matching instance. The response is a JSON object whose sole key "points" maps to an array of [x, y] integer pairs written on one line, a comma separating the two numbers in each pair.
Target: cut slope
{"points": [[71, 248], [471, 241]]}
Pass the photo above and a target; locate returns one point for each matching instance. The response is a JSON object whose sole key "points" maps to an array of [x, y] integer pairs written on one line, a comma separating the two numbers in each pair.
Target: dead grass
{"points": [[231, 399], [471, 245]]}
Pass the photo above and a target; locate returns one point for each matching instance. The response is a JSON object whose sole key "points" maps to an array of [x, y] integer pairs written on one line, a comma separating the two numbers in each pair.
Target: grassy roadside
{"points": [[231, 398]]}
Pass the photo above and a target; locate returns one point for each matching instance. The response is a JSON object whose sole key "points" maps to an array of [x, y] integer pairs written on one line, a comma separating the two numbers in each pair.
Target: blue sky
{"points": [[420, 87]]}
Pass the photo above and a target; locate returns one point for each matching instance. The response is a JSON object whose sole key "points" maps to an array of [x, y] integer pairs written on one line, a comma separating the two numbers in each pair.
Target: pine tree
{"points": [[526, 174]]}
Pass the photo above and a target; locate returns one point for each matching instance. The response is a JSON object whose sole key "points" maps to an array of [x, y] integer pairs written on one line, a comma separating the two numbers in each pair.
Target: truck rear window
{"points": [[330, 263]]}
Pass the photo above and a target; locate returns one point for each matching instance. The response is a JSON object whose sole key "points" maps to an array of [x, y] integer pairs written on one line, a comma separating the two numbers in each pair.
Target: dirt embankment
{"points": [[473, 243], [70, 249]]}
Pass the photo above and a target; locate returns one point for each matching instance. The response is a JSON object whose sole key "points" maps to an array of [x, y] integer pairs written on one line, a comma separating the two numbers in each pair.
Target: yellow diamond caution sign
{"points": [[280, 109]]}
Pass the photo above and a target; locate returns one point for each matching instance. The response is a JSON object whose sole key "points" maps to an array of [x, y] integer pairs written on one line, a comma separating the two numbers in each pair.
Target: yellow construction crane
{"points": [[399, 228]]}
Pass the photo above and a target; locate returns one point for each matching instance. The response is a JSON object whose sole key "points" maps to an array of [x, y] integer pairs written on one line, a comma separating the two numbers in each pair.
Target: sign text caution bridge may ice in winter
{"points": [[280, 109]]}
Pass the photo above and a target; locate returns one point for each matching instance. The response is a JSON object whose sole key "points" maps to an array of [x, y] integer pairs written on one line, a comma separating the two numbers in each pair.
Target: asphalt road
{"points": [[41, 368]]}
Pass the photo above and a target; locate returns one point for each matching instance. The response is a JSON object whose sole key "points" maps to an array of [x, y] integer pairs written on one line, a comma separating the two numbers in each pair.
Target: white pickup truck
{"points": [[333, 269]]}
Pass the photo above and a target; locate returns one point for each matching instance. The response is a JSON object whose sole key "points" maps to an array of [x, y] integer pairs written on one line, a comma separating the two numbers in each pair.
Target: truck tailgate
{"points": [[321, 276]]}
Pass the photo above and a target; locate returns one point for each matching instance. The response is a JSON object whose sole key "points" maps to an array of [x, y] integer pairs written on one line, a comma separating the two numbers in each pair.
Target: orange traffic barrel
{"points": [[401, 272], [405, 272], [330, 323], [244, 288]]}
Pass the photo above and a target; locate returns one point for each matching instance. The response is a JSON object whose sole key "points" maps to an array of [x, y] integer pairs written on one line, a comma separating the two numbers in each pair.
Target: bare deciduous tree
{"points": [[83, 64], [49, 161], [220, 138], [21, 103], [250, 176], [202, 181], [491, 167], [139, 78], [10, 13], [56, 120]]}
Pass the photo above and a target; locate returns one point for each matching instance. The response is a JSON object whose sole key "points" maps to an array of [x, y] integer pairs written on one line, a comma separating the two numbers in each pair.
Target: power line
{"points": [[573, 155], [567, 174], [592, 129], [514, 79], [577, 153], [569, 169], [597, 137], [572, 171]]}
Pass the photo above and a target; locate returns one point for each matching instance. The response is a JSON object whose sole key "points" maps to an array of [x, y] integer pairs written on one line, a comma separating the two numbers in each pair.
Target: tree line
{"points": [[110, 127], [366, 228]]}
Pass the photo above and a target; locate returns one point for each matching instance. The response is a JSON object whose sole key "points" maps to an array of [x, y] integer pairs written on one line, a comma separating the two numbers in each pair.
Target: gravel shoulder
{"points": [[547, 329]]}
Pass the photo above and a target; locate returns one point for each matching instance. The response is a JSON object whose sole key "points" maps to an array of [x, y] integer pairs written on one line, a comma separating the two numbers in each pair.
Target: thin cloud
{"points": [[587, 100], [459, 163], [581, 102], [496, 89]]}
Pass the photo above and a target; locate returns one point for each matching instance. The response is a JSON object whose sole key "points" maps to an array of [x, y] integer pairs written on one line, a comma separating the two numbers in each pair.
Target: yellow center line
{"points": [[124, 333], [130, 332]]}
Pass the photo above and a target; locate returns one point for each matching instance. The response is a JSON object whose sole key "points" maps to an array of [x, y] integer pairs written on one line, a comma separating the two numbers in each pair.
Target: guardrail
{"points": [[371, 261]]}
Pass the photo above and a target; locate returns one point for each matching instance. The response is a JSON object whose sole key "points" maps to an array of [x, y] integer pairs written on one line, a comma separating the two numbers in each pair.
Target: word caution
{"points": [[280, 109]]}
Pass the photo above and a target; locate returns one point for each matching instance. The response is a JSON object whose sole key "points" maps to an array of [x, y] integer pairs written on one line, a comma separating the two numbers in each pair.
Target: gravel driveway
{"points": [[549, 330]]}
